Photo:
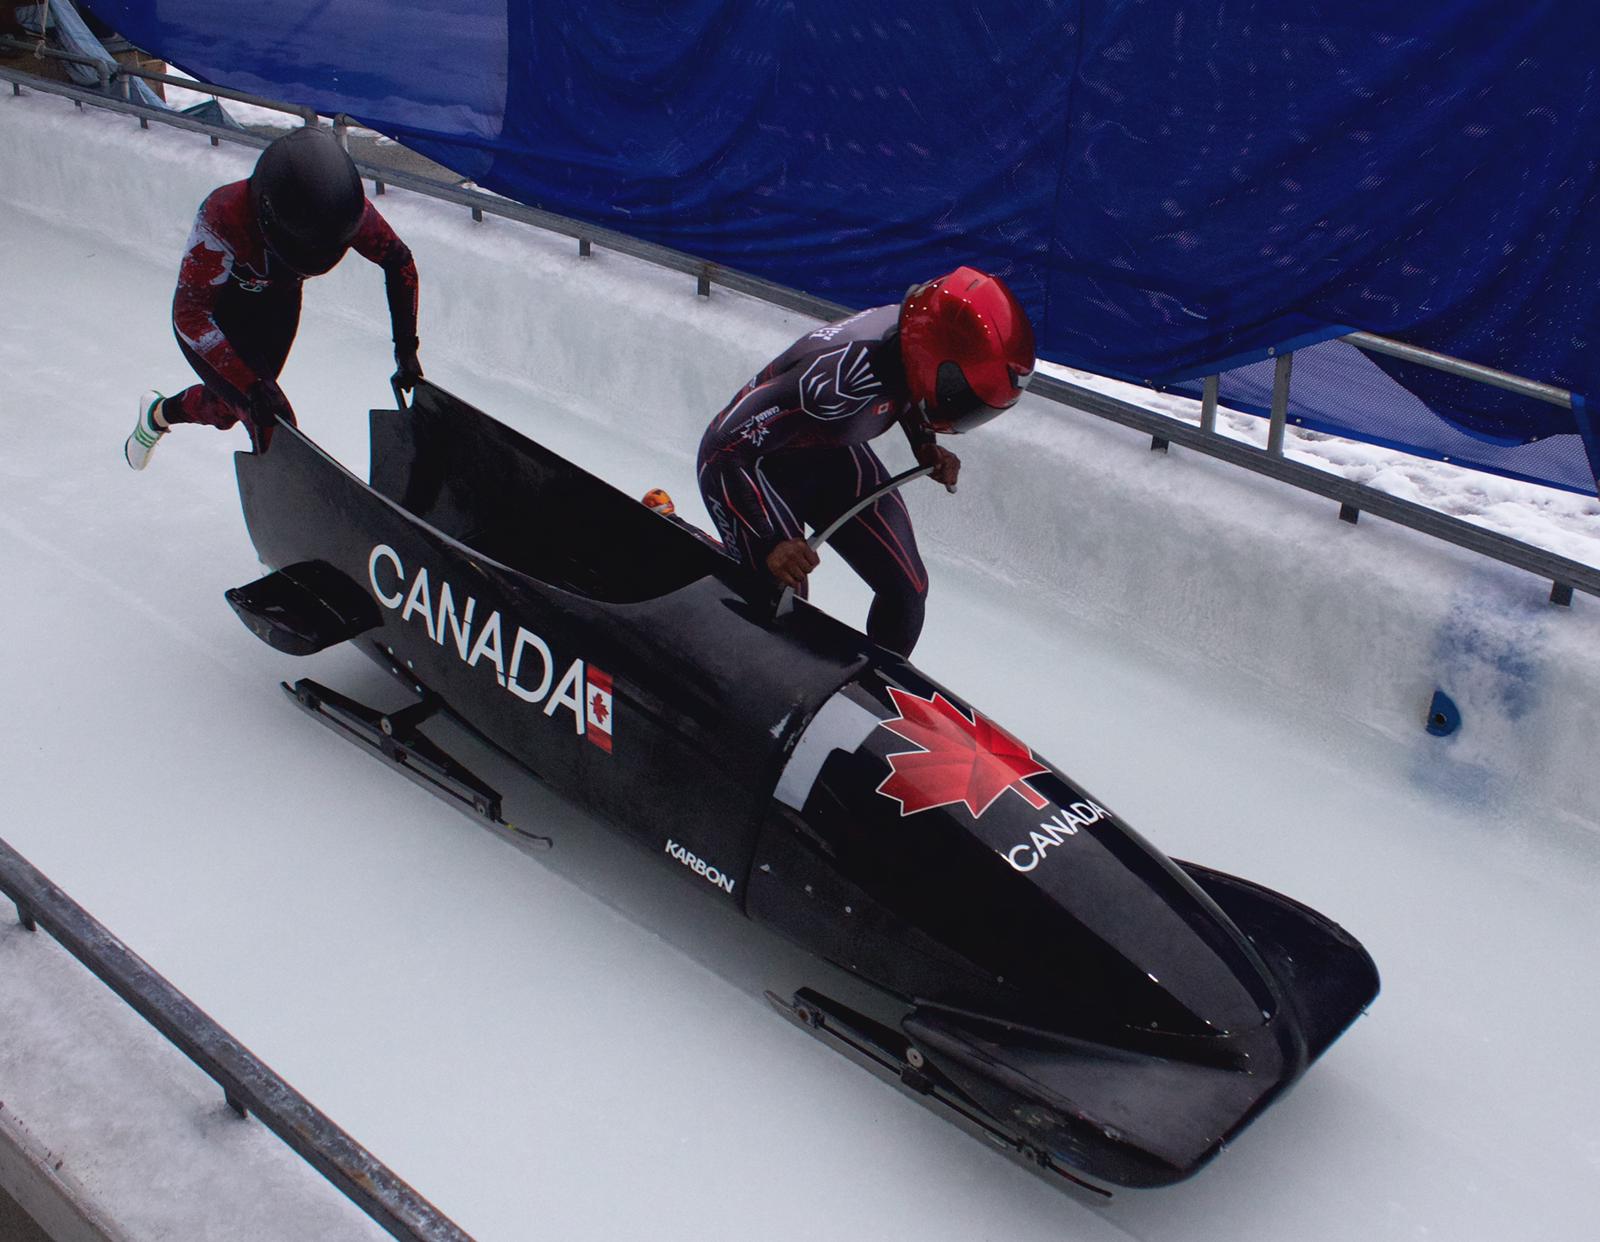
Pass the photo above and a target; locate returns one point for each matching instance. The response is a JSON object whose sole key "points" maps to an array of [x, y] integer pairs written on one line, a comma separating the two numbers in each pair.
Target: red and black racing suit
{"points": [[791, 447], [237, 307]]}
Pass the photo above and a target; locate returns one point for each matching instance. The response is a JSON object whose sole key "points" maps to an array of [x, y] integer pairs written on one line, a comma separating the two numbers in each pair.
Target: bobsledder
{"points": [[1040, 973]]}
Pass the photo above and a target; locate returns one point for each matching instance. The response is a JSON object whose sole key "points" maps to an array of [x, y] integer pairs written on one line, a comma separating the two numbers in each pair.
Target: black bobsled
{"points": [[1038, 971]]}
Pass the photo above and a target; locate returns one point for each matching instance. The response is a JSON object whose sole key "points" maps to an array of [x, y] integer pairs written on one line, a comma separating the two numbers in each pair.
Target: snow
{"points": [[575, 1044]]}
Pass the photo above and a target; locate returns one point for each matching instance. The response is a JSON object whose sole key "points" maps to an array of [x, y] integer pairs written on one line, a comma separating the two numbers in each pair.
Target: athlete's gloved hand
{"points": [[791, 561], [267, 408], [946, 465], [407, 370]]}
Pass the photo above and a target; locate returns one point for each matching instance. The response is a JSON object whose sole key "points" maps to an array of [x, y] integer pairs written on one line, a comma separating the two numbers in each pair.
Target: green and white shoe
{"points": [[147, 432]]}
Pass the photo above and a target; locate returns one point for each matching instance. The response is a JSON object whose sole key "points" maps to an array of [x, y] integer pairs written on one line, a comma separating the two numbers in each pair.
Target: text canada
{"points": [[527, 670], [1063, 824]]}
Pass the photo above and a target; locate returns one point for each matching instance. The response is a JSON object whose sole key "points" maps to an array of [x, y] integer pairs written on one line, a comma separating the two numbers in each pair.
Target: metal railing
{"points": [[1564, 574], [247, 1084]]}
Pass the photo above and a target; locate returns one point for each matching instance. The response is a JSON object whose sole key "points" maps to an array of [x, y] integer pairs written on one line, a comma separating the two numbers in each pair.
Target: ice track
{"points": [[575, 1045]]}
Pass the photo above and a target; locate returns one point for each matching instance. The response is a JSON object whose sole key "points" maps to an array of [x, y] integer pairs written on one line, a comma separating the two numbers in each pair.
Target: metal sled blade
{"points": [[888, 1055], [393, 738]]}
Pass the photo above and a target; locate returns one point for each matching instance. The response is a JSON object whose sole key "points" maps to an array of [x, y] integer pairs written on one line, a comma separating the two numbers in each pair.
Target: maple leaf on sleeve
{"points": [[970, 760]]}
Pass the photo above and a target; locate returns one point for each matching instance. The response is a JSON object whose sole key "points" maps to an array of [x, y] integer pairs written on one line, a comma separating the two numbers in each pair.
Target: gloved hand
{"points": [[267, 407], [946, 465], [791, 561], [407, 370]]}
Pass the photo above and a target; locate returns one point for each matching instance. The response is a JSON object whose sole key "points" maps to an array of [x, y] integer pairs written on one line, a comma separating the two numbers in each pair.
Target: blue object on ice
{"points": [[1444, 717]]}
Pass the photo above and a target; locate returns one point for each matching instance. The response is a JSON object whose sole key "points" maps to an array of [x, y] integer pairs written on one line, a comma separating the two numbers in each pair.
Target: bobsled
{"points": [[1024, 962]]}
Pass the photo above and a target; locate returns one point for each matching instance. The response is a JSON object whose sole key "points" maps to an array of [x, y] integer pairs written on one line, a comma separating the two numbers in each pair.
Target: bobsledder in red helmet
{"points": [[968, 349], [308, 199]]}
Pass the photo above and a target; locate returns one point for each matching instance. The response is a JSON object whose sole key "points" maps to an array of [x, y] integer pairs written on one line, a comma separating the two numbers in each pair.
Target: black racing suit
{"points": [[791, 448]]}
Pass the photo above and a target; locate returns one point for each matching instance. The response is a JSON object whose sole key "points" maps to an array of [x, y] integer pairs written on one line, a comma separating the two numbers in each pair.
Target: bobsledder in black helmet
{"points": [[236, 309], [308, 199]]}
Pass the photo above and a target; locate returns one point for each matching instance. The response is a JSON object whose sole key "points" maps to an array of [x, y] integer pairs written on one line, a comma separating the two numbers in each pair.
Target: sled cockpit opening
{"points": [[517, 503]]}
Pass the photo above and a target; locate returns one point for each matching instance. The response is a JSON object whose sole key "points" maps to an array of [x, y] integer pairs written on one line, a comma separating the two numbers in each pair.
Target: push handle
{"points": [[785, 602]]}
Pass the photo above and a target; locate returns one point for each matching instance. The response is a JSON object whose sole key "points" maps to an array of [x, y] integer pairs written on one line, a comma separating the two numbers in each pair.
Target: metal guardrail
{"points": [[248, 1085], [1354, 498], [113, 71], [1564, 574]]}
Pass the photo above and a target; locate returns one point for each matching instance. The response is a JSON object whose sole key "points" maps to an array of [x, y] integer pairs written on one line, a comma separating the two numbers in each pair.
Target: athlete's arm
{"points": [[376, 242], [946, 465]]}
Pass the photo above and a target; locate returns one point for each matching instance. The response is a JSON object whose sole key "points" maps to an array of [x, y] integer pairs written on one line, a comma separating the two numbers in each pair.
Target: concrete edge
{"points": [[42, 1185]]}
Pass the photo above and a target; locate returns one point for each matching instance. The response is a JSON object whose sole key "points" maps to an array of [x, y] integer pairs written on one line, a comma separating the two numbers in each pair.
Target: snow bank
{"points": [[1197, 561]]}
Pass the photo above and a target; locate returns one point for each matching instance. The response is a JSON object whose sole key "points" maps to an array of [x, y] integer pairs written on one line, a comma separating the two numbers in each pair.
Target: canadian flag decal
{"points": [[597, 709], [961, 760]]}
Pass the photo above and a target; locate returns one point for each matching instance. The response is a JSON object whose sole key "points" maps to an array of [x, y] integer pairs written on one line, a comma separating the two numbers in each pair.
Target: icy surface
{"points": [[575, 1045]]}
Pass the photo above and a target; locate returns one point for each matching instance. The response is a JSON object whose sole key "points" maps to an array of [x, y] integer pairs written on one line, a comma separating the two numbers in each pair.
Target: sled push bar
{"points": [[248, 1085], [786, 599]]}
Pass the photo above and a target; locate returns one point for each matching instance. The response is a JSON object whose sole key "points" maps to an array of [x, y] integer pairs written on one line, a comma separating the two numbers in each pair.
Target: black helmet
{"points": [[308, 199]]}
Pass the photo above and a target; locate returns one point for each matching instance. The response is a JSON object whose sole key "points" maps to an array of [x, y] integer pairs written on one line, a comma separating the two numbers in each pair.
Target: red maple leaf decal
{"points": [[597, 707], [961, 760]]}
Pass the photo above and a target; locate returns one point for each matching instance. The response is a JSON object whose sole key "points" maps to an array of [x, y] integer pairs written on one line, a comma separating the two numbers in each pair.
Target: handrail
{"points": [[1565, 574], [247, 1084], [119, 70], [1548, 393]]}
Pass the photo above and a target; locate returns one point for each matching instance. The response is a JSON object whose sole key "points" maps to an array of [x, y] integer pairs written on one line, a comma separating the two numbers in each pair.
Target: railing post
{"points": [[1280, 403], [1208, 404]]}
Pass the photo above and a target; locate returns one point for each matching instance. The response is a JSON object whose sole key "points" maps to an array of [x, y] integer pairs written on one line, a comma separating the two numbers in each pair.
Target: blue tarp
{"points": [[1171, 186]]}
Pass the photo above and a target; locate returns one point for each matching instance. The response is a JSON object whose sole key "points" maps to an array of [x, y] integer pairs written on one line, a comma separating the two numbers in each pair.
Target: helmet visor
{"points": [[306, 255], [958, 407]]}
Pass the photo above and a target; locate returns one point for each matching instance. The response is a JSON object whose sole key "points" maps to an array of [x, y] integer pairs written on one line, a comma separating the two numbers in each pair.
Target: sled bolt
{"points": [[914, 1058]]}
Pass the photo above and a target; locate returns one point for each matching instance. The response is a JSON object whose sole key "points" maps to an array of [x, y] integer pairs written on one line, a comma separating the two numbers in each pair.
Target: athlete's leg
{"points": [[261, 327], [820, 484], [879, 544], [737, 529]]}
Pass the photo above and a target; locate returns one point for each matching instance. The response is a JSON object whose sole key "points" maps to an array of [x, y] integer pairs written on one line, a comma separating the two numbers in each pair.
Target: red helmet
{"points": [[968, 348]]}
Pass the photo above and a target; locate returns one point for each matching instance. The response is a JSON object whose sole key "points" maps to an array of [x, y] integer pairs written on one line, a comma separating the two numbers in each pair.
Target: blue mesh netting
{"points": [[1169, 185]]}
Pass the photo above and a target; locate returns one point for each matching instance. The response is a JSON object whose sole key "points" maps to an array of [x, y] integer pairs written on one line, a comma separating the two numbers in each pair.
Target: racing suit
{"points": [[237, 308], [791, 447]]}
